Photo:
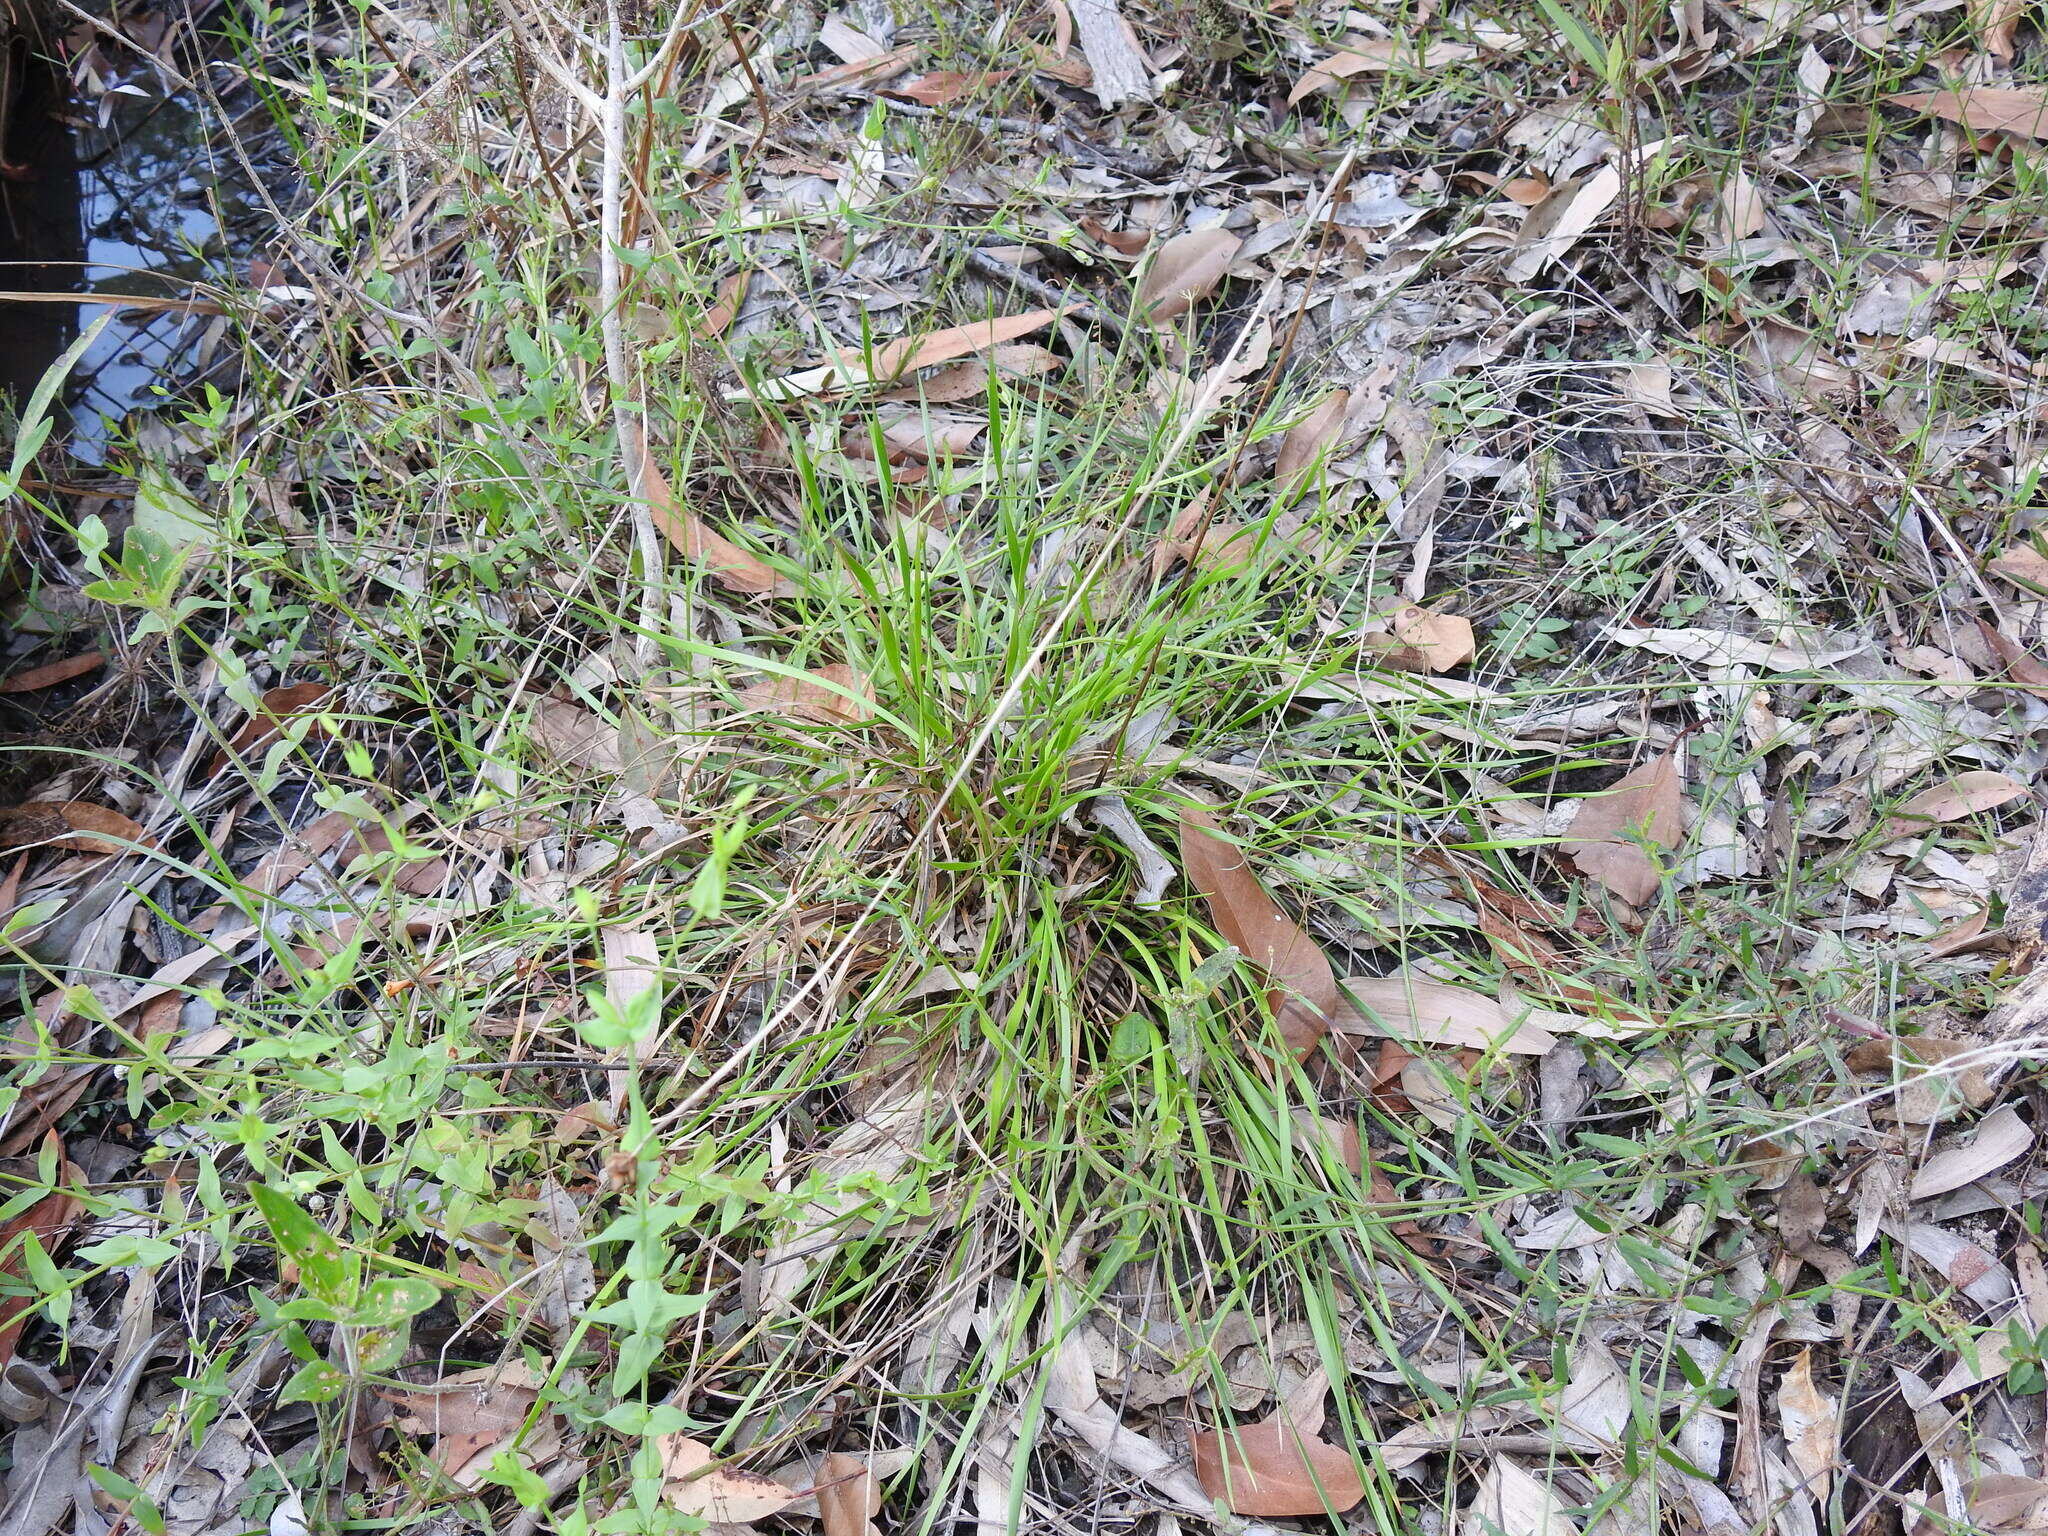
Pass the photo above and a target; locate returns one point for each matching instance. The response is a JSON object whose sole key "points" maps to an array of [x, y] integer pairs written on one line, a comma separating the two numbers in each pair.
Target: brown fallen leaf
{"points": [[691, 1484], [2023, 565], [1526, 191], [732, 567], [1413, 639], [848, 1496], [860, 71], [50, 1219], [1644, 803], [731, 294], [1966, 794], [78, 825], [1206, 542], [1272, 1468], [1377, 57], [1998, 22], [1186, 271], [1932, 1087], [1418, 1012], [820, 697], [942, 87], [969, 380], [1743, 209], [278, 707], [1310, 440], [851, 368], [491, 1400], [1984, 108], [2003, 1136], [51, 673], [1304, 995], [1125, 242], [1811, 1426], [2020, 664]]}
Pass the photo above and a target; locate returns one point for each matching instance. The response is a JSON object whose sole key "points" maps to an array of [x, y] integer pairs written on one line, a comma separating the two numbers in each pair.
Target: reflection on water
{"points": [[41, 233], [155, 201]]}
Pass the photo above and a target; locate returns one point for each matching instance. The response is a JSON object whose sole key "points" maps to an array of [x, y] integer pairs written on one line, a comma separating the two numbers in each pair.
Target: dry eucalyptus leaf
{"points": [[1557, 223], [1966, 794], [1413, 639], [1511, 1501], [77, 825], [724, 1494], [1304, 995], [1645, 802], [1810, 1423], [1420, 1012], [834, 695], [731, 566], [848, 1496], [1185, 271], [1378, 57], [2003, 1136], [1309, 440], [1274, 1468], [1984, 108]]}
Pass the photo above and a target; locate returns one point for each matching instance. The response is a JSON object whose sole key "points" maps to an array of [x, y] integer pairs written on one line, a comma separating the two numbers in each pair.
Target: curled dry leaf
{"points": [[691, 1484], [847, 42], [1186, 271], [1377, 57], [78, 825], [1274, 1468], [1413, 639], [1643, 803], [834, 695], [1304, 995], [1984, 108], [2003, 1136], [1526, 191], [1998, 21], [1810, 1422], [861, 71], [1742, 208], [1966, 794], [731, 566], [51, 673]]}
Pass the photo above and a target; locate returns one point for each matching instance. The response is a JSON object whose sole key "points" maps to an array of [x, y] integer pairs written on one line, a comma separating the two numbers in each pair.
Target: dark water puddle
{"points": [[132, 188]]}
